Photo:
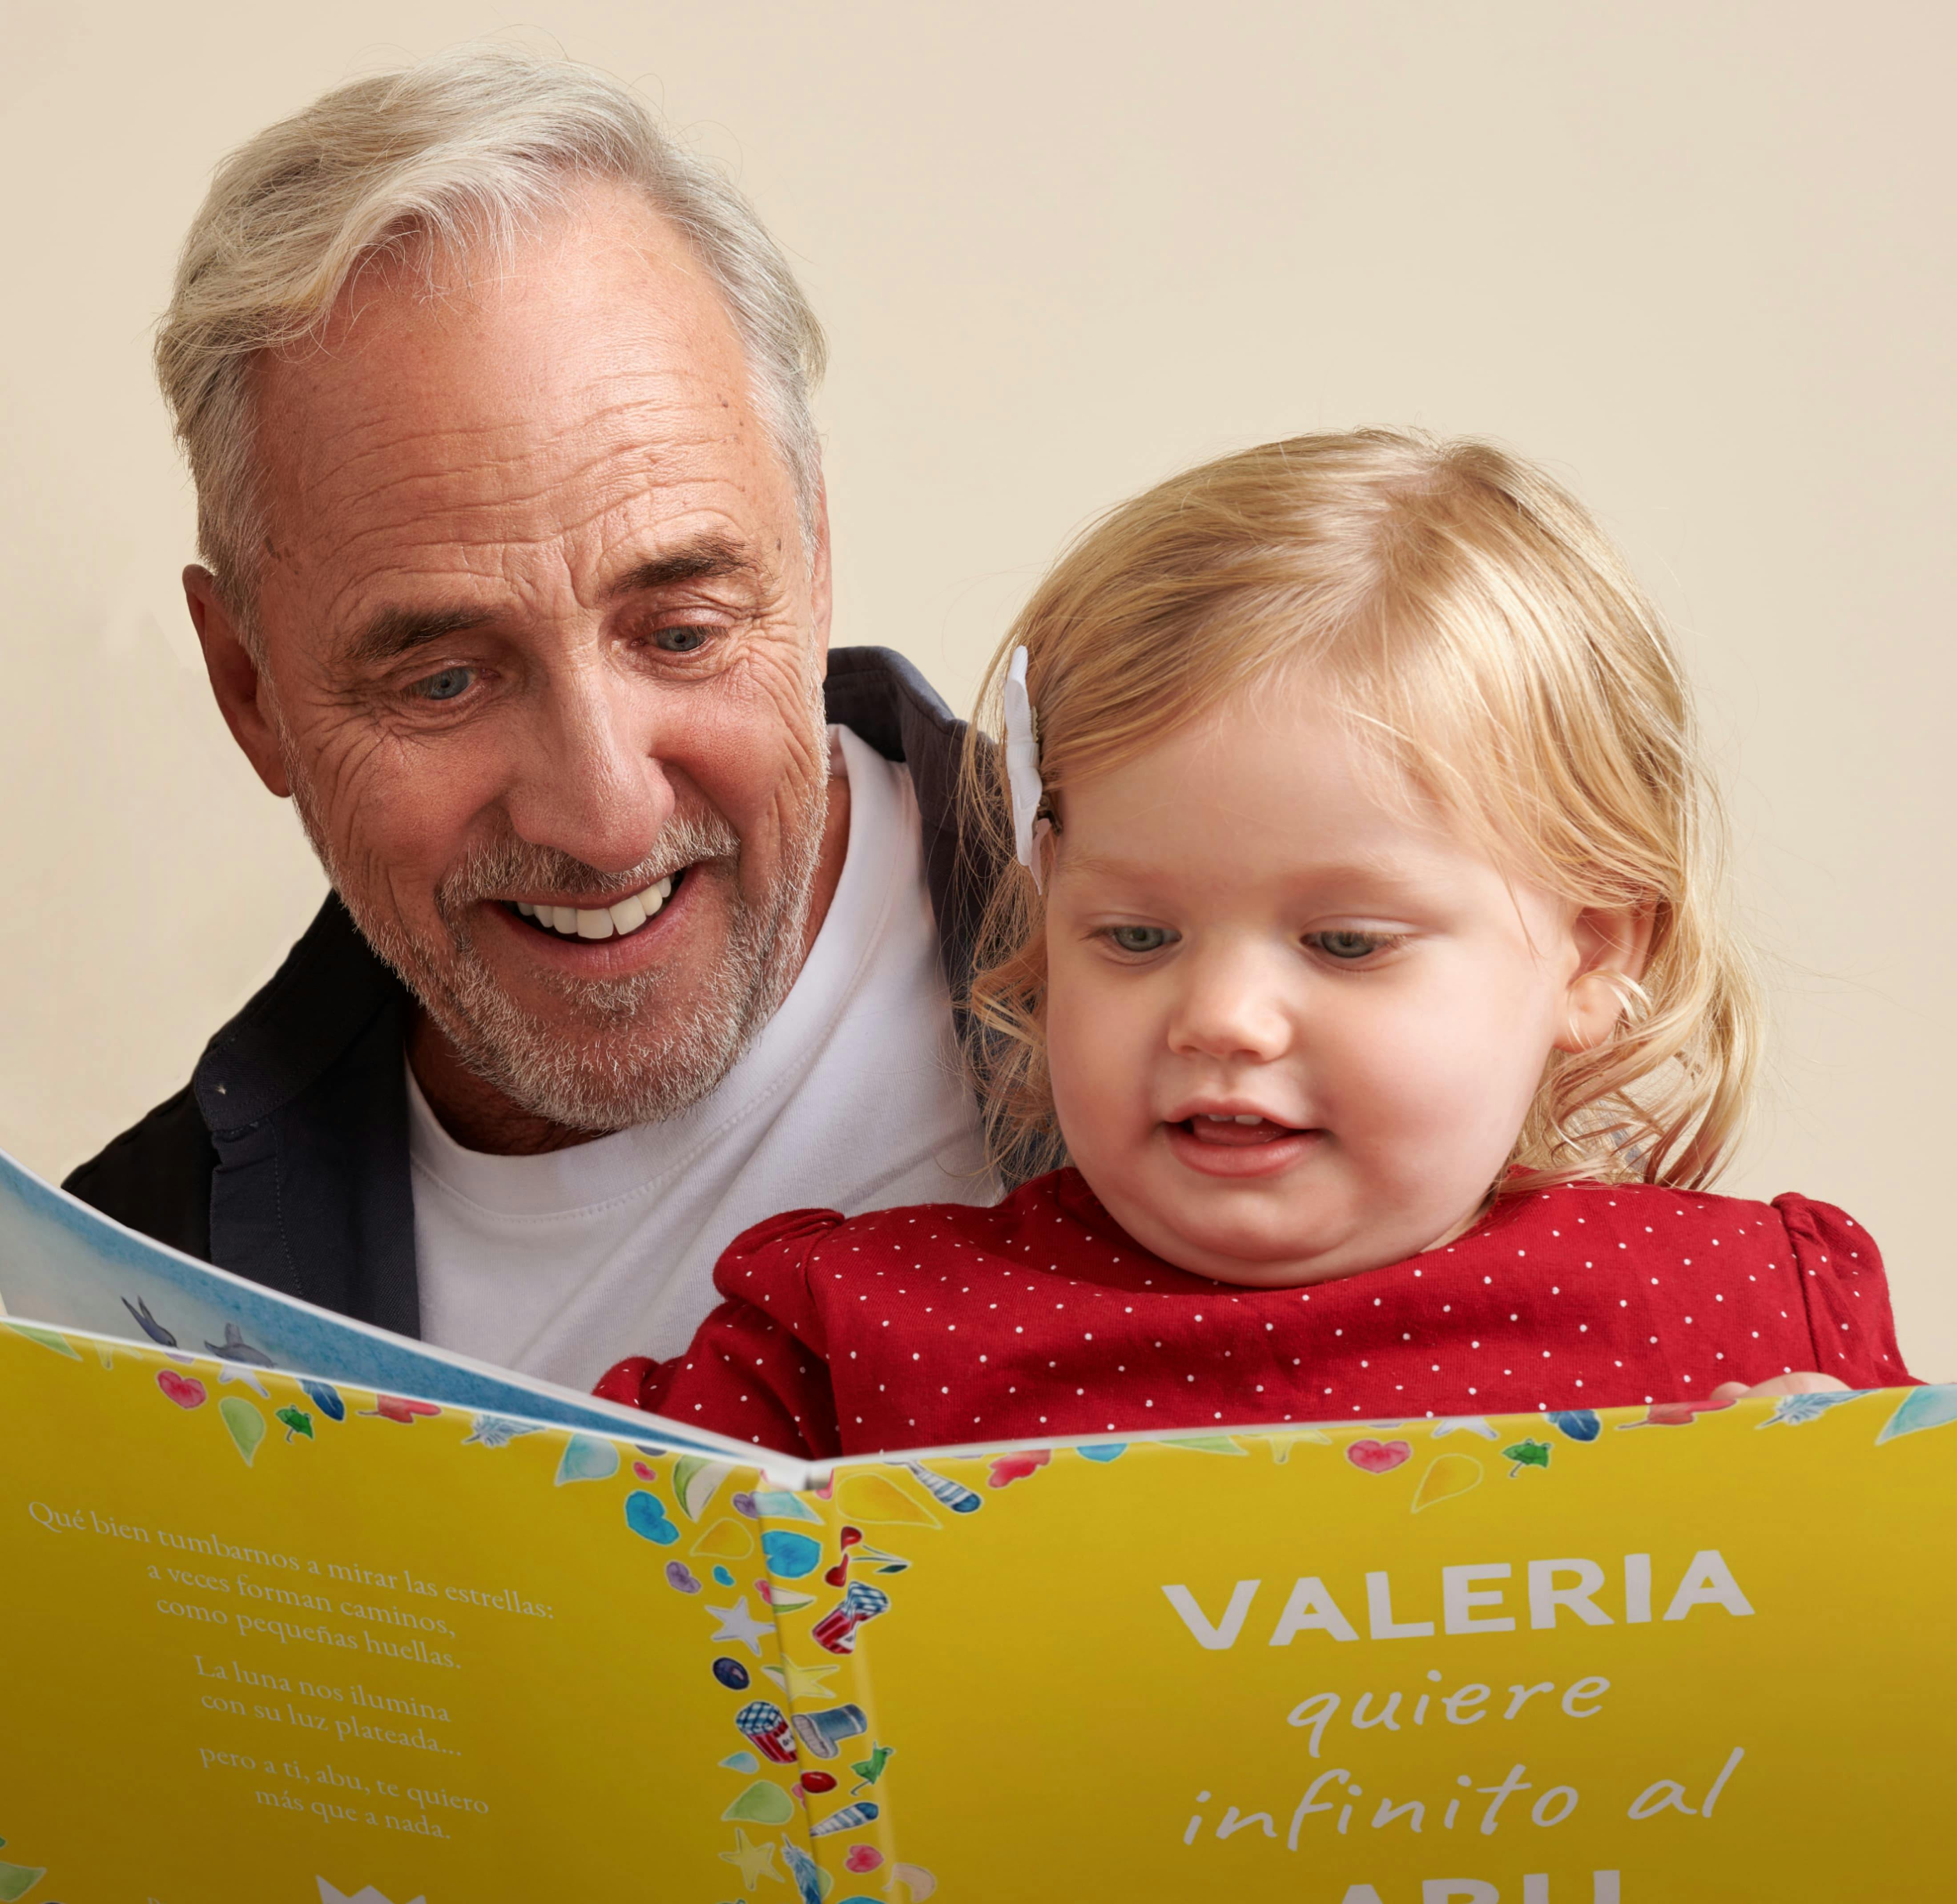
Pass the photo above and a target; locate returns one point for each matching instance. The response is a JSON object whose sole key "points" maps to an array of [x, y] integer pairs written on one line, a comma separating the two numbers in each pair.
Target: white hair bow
{"points": [[1023, 772]]}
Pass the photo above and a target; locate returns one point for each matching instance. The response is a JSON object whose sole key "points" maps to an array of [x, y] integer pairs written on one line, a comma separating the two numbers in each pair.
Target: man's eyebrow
{"points": [[702, 560], [392, 632]]}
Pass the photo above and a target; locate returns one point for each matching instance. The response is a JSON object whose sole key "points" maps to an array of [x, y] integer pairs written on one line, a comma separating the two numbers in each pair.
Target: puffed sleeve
{"points": [[1846, 1294], [756, 1369]]}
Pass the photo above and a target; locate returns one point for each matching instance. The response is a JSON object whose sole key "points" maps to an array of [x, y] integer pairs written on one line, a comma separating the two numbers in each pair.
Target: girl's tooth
{"points": [[594, 926], [628, 916], [563, 918], [1244, 1120]]}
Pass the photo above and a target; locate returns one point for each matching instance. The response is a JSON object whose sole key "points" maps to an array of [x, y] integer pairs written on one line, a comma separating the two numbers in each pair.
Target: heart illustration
{"points": [[185, 1390], [862, 1858], [646, 1515], [643, 1472], [1378, 1457]]}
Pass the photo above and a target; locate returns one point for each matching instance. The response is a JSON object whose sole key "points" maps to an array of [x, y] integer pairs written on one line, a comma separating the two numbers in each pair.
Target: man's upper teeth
{"points": [[623, 916], [1223, 1117]]}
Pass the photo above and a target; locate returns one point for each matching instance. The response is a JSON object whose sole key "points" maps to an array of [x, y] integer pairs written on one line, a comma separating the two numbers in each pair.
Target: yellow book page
{"points": [[274, 1642], [1647, 1657]]}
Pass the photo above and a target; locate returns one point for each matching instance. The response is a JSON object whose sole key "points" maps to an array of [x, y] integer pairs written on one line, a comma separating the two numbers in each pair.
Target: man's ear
{"points": [[821, 586], [235, 678], [1612, 946]]}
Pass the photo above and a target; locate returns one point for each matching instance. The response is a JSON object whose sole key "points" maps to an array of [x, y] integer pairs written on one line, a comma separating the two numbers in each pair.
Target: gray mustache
{"points": [[505, 865]]}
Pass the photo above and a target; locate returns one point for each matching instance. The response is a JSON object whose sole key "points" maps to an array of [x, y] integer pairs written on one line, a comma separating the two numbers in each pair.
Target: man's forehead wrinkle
{"points": [[472, 469], [477, 582]]}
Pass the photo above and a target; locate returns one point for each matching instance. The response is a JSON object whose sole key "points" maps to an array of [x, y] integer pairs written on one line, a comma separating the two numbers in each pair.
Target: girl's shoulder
{"points": [[1635, 1216]]}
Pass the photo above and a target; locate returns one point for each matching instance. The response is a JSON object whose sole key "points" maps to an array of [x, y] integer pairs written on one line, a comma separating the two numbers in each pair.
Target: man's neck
{"points": [[479, 1117]]}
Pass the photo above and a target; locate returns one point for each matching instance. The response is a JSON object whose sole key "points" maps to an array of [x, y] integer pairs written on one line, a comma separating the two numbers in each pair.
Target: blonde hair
{"points": [[1473, 622], [459, 155]]}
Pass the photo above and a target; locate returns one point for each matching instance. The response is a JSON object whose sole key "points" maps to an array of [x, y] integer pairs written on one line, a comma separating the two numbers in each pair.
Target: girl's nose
{"points": [[1233, 1005]]}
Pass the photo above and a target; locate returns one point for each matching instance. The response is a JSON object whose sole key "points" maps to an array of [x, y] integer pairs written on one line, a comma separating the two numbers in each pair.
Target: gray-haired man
{"points": [[517, 582]]}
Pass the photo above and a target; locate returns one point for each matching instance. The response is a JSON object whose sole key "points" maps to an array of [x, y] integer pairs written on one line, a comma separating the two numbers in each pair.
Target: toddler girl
{"points": [[1363, 963]]}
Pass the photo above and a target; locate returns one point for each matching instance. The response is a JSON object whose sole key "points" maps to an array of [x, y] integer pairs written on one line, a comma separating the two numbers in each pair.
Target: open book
{"points": [[393, 1626]]}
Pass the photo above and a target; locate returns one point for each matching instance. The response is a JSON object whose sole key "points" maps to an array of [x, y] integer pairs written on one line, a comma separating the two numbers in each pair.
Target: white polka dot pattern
{"points": [[945, 1323]]}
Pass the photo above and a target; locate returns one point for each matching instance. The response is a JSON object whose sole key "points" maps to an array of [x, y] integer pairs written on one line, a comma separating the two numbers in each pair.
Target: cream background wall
{"points": [[1694, 253]]}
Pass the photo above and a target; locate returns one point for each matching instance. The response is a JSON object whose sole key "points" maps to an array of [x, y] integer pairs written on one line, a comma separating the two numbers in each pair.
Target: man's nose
{"points": [[590, 785], [1234, 1003]]}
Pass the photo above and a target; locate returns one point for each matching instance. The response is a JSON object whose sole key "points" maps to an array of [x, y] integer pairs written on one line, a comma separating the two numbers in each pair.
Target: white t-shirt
{"points": [[850, 1099]]}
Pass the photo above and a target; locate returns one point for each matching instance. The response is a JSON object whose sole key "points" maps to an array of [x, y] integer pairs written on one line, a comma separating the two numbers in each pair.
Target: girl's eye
{"points": [[685, 638], [1347, 947], [444, 686], [1140, 938]]}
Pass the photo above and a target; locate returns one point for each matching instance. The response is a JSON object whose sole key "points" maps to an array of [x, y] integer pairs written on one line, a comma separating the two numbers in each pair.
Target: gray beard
{"points": [[617, 1053]]}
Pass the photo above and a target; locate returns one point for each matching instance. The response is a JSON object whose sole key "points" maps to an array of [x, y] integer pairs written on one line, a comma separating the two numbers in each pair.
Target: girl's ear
{"points": [[1612, 945]]}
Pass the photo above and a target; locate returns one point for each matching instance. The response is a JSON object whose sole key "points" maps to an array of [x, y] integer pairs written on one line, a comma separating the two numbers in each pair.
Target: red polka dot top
{"points": [[941, 1324]]}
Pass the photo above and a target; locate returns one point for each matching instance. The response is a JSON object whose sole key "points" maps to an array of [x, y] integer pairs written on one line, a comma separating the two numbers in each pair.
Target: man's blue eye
{"points": [[1345, 945], [446, 685], [1141, 938], [685, 639]]}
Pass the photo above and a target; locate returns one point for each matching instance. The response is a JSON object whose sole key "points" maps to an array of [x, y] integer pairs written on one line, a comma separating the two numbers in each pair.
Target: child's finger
{"points": [[1805, 1382]]}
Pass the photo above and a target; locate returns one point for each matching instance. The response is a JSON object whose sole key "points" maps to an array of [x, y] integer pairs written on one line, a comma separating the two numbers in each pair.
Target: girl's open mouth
{"points": [[1236, 1133], [1238, 1147]]}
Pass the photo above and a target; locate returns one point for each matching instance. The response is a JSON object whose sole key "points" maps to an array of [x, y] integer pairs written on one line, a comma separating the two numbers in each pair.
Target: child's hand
{"points": [[1804, 1382]]}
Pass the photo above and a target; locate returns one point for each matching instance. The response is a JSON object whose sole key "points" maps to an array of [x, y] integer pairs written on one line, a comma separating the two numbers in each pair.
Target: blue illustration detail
{"points": [[646, 1515], [585, 1458], [1579, 1424], [1923, 1408], [803, 1869], [326, 1398], [790, 1555], [1105, 1451], [150, 1326], [742, 1762], [723, 1576], [235, 1348], [779, 1505], [731, 1673], [496, 1432], [1793, 1410], [941, 1487]]}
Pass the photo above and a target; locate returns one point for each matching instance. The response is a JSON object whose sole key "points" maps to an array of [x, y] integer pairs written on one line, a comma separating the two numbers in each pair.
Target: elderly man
{"points": [[517, 580]]}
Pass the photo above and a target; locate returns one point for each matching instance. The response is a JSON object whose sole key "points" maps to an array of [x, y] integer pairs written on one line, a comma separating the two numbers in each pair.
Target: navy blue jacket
{"points": [[285, 1157]]}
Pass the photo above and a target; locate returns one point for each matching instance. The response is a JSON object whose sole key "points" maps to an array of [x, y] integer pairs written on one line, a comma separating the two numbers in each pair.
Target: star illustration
{"points": [[737, 1623], [1468, 1425], [802, 1682], [752, 1861]]}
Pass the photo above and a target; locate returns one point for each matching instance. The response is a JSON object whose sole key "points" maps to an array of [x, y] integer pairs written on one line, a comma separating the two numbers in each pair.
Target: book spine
{"points": [[825, 1587]]}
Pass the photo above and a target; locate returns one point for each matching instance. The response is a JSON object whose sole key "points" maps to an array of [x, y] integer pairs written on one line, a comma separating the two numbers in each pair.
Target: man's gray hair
{"points": [[461, 154]]}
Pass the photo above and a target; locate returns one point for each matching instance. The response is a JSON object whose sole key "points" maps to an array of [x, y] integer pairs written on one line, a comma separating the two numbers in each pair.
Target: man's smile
{"points": [[620, 918]]}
